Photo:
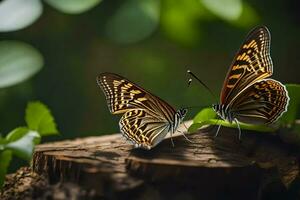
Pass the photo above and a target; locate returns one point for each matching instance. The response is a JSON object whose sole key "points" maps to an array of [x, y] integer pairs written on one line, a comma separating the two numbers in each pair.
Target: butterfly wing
{"points": [[263, 102], [252, 63], [146, 119], [123, 95], [144, 129]]}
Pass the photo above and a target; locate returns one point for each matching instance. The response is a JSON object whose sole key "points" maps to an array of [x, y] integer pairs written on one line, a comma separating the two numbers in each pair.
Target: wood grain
{"points": [[213, 167]]}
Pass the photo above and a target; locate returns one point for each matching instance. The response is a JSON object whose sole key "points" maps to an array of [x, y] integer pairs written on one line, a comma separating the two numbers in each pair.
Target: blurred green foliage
{"points": [[5, 157], [226, 9], [18, 62], [134, 20], [18, 14], [73, 6]]}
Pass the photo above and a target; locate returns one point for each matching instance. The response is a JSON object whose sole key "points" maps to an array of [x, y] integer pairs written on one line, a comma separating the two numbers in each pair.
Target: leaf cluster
{"points": [[21, 141]]}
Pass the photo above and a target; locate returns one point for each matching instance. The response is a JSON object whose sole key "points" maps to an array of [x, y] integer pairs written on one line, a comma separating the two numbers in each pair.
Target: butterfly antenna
{"points": [[189, 82], [201, 82]]}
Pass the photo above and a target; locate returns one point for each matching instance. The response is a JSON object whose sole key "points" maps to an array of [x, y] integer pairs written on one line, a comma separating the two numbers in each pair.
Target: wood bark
{"points": [[257, 167]]}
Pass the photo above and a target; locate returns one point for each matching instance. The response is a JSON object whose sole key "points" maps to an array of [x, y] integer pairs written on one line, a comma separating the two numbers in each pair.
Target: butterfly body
{"points": [[146, 118], [249, 95], [261, 103], [223, 112]]}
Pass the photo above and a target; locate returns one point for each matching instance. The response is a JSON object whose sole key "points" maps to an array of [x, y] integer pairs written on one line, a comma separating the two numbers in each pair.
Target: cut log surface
{"points": [[207, 168]]}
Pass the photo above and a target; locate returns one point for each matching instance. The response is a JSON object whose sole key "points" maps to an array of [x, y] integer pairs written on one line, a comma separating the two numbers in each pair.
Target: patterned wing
{"points": [[144, 129], [123, 95], [147, 118], [252, 63], [263, 102]]}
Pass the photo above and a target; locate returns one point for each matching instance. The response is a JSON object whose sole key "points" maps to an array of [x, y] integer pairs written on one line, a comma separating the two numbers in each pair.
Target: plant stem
{"points": [[260, 128]]}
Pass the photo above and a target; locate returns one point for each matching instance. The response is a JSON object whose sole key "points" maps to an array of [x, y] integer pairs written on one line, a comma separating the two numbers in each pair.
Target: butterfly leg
{"points": [[172, 139], [238, 125], [185, 136], [218, 130]]}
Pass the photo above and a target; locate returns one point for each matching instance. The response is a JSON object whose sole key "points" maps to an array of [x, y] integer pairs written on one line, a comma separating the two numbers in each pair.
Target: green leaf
{"points": [[225, 9], [204, 115], [248, 17], [18, 62], [3, 141], [39, 118], [244, 126], [207, 117], [18, 133], [73, 6], [16, 14], [5, 158], [24, 146], [289, 117], [180, 20], [195, 126], [134, 20]]}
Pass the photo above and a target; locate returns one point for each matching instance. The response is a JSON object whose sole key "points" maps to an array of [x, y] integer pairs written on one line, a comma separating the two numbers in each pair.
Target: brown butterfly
{"points": [[248, 94], [146, 118]]}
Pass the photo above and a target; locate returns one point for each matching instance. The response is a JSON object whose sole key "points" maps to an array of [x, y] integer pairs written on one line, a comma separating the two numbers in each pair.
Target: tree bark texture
{"points": [[260, 166]]}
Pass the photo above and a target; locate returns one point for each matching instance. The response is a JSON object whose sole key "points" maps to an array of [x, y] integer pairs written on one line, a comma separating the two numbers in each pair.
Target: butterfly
{"points": [[146, 118], [248, 94]]}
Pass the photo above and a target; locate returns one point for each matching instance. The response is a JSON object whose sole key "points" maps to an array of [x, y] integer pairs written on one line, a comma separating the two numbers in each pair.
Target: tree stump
{"points": [[260, 166]]}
